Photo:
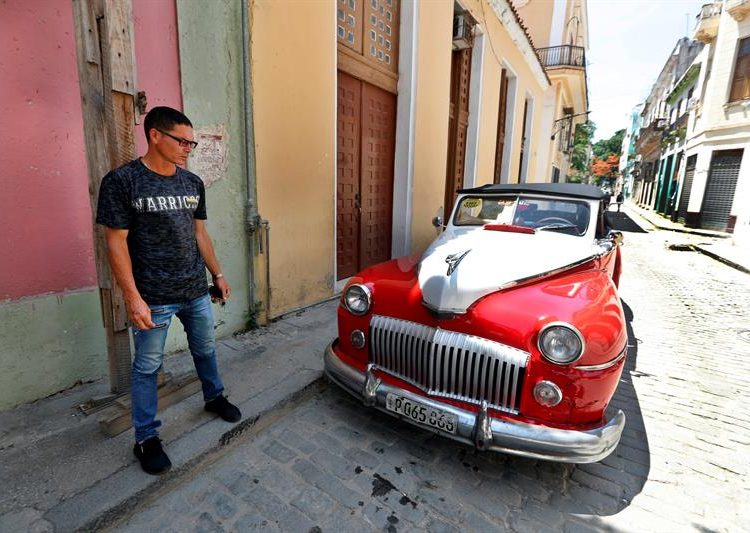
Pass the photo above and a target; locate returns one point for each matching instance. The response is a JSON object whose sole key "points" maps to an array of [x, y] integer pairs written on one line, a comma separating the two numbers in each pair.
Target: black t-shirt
{"points": [[158, 212]]}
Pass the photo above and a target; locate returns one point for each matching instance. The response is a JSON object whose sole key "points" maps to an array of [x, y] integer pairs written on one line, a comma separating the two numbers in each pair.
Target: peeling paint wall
{"points": [[210, 41]]}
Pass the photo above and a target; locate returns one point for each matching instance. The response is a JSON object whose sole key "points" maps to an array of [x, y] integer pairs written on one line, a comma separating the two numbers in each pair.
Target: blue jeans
{"points": [[197, 319]]}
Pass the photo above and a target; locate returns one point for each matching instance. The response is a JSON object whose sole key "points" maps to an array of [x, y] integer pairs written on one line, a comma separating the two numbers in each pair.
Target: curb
{"points": [[106, 507], [712, 255]]}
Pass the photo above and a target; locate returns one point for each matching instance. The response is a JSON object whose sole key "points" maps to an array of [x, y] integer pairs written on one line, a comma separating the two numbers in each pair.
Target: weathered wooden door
{"points": [[376, 174], [458, 125], [366, 128], [348, 198], [106, 67]]}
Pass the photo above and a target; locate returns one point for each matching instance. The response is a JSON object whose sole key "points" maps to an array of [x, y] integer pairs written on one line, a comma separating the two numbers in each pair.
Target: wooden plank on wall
{"points": [[120, 41], [108, 125], [92, 101]]}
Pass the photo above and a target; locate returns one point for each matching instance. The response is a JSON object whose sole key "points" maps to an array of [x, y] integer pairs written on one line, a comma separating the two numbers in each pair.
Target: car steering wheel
{"points": [[553, 220]]}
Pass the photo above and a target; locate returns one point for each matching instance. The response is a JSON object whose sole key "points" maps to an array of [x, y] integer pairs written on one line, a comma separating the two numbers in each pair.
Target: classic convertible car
{"points": [[507, 334]]}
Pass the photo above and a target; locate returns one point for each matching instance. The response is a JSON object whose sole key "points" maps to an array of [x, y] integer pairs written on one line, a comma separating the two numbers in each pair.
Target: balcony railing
{"points": [[562, 56]]}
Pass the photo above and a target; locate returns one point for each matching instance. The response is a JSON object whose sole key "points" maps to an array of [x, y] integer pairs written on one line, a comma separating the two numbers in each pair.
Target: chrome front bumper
{"points": [[482, 431]]}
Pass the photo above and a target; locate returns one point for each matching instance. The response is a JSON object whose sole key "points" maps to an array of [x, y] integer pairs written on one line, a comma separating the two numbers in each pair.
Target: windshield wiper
{"points": [[557, 226]]}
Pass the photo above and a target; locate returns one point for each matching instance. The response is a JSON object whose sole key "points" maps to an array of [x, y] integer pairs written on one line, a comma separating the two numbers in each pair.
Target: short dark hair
{"points": [[164, 118]]}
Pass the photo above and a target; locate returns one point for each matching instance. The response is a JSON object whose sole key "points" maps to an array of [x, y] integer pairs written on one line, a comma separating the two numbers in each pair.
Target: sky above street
{"points": [[629, 42]]}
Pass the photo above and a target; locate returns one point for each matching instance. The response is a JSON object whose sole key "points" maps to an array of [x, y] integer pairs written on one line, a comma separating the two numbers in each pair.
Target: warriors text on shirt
{"points": [[165, 203]]}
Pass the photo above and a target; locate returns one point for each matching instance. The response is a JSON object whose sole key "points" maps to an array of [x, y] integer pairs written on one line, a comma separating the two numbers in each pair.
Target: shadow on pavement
{"points": [[438, 476], [626, 470], [621, 222]]}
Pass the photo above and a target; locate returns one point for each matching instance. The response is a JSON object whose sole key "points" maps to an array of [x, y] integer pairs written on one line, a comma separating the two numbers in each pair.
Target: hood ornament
{"points": [[454, 259]]}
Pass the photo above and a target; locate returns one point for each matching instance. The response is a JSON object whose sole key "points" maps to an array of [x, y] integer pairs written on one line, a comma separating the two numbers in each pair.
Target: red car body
{"points": [[582, 296]]}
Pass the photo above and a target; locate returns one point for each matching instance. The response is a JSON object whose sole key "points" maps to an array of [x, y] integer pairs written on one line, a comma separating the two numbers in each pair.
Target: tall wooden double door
{"points": [[366, 131]]}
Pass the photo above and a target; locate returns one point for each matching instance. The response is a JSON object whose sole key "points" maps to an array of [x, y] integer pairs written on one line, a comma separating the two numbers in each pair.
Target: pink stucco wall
{"points": [[45, 213], [45, 216], [157, 56]]}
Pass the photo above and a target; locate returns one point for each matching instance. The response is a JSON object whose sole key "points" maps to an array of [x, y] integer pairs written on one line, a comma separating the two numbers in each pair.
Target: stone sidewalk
{"points": [[60, 473]]}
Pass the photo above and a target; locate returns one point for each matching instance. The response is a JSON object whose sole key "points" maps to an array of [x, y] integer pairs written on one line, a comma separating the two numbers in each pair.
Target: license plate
{"points": [[421, 413]]}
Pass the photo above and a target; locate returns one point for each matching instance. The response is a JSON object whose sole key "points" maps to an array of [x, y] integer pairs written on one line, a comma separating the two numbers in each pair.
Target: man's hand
{"points": [[222, 284], [139, 313]]}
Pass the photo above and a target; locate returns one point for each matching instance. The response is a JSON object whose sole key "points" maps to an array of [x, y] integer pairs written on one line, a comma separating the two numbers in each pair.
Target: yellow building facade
{"points": [[369, 114], [559, 30]]}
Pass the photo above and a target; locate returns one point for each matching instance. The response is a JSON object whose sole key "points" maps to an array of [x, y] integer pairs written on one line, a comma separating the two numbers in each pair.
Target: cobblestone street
{"points": [[682, 464]]}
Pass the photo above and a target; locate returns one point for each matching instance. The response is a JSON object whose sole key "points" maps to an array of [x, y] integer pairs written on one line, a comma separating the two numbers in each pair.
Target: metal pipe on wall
{"points": [[267, 227], [251, 206]]}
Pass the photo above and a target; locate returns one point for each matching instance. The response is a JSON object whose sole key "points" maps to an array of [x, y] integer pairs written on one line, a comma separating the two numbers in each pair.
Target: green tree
{"points": [[581, 147], [604, 148], [606, 158]]}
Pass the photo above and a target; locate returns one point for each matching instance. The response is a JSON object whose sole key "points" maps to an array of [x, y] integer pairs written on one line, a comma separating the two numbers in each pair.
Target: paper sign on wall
{"points": [[210, 159]]}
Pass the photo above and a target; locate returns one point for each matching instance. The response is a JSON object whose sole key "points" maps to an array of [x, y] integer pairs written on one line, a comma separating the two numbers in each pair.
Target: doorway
{"points": [[366, 131]]}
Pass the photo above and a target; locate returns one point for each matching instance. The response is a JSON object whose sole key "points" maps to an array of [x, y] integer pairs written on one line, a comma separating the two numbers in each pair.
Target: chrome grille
{"points": [[449, 364]]}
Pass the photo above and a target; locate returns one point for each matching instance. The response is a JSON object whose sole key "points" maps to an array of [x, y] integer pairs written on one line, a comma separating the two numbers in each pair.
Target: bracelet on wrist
{"points": [[217, 276]]}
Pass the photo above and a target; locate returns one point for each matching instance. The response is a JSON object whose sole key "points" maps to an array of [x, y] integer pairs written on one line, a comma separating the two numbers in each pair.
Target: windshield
{"points": [[540, 213]]}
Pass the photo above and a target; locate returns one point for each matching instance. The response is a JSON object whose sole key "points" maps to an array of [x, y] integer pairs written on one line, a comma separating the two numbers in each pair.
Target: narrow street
{"points": [[331, 465]]}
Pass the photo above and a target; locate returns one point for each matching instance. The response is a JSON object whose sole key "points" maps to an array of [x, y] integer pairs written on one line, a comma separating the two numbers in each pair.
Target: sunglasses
{"points": [[184, 143]]}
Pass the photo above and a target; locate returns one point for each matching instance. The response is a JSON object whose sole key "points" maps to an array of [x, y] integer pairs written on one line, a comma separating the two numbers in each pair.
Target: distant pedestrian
{"points": [[154, 213], [620, 199]]}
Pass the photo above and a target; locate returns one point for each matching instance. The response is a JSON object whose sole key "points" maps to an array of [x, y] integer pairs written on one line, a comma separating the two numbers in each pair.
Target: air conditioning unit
{"points": [[463, 32], [692, 103], [638, 158]]}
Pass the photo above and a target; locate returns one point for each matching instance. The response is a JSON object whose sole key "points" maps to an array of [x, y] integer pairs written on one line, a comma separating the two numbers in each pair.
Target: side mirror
{"points": [[438, 222], [616, 237]]}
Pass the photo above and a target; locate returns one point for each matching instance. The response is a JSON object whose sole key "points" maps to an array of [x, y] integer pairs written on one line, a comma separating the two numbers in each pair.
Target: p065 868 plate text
{"points": [[422, 414]]}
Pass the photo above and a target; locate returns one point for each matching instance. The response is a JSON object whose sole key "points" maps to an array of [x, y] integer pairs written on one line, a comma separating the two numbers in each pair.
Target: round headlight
{"points": [[560, 343], [357, 299], [358, 339], [547, 393]]}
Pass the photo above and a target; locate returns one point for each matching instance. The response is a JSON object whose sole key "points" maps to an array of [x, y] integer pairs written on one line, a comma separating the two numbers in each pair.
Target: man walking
{"points": [[154, 213]]}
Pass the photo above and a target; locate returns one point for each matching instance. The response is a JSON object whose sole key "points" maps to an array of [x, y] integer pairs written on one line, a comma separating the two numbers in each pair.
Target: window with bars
{"points": [[370, 28], [741, 79]]}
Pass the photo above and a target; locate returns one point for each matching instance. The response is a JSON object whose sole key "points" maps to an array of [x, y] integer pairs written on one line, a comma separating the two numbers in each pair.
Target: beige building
{"points": [[559, 31], [716, 178], [370, 114]]}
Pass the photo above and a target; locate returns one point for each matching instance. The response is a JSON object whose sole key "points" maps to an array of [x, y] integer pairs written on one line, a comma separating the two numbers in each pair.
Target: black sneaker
{"points": [[221, 406], [152, 457]]}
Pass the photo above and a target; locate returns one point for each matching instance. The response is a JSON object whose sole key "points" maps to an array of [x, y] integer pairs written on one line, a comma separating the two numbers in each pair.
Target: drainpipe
{"points": [[252, 218], [267, 228]]}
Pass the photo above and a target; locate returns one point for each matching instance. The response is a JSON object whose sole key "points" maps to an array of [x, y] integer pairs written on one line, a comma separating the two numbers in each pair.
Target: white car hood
{"points": [[494, 260]]}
